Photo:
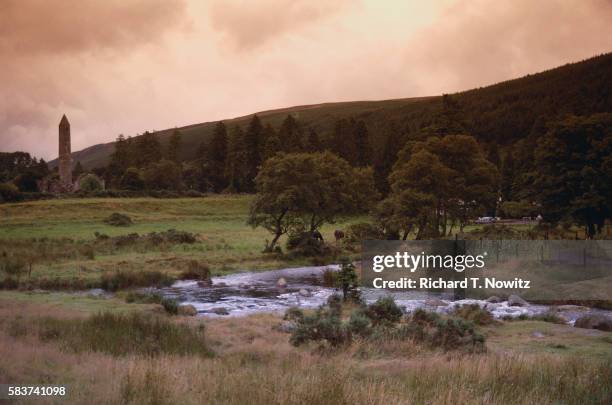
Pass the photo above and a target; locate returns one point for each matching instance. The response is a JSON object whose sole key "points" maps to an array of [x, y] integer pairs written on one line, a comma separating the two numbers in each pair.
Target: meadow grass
{"points": [[57, 236], [253, 363]]}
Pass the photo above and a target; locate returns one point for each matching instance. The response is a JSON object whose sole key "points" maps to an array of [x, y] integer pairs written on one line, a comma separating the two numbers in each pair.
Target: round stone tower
{"points": [[65, 156]]}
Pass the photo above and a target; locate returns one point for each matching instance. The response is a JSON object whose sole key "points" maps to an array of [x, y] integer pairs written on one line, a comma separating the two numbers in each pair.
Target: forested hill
{"points": [[503, 113]]}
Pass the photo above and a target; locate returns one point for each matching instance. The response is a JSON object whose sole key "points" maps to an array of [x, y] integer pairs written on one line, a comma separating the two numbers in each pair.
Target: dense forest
{"points": [[540, 144]]}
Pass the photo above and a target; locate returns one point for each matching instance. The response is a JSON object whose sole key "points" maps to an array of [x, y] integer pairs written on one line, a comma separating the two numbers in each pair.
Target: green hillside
{"points": [[502, 113]]}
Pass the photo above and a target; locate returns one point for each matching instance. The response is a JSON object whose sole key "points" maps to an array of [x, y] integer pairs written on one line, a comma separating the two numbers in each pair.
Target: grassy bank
{"points": [[57, 237], [253, 363]]}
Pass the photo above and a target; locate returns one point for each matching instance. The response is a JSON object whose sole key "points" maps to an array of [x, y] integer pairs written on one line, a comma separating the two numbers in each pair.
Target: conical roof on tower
{"points": [[64, 121]]}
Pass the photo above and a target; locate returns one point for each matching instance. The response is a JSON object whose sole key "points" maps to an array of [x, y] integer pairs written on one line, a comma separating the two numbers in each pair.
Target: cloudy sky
{"points": [[125, 66]]}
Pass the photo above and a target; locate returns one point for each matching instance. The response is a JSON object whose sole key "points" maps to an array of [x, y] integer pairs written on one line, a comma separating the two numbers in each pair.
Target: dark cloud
{"points": [[56, 26], [55, 57]]}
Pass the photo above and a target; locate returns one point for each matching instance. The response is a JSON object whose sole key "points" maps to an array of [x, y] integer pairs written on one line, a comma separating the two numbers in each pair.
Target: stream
{"points": [[256, 292]]}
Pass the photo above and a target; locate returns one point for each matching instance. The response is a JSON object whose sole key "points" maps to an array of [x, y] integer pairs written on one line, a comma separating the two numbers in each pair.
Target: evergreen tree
{"points": [[120, 158], [174, 146], [216, 157], [507, 177], [313, 143], [493, 155], [78, 170], [235, 165], [362, 144], [383, 164], [149, 149], [252, 144], [273, 143], [574, 177], [291, 135]]}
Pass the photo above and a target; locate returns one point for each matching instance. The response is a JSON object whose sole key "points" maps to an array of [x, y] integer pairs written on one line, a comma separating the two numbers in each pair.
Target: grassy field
{"points": [[253, 363], [111, 351], [57, 236]]}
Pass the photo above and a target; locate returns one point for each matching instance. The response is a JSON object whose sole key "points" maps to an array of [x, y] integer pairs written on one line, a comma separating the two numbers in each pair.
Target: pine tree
{"points": [[291, 135], [216, 157], [174, 146], [273, 143], [493, 155], [362, 144], [387, 158], [507, 177], [149, 149], [252, 144], [120, 157], [313, 143], [78, 170], [235, 165]]}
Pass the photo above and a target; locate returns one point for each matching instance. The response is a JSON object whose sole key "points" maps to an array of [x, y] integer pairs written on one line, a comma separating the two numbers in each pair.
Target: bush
{"points": [[123, 335], [170, 306], [294, 314], [305, 244], [360, 324], [90, 183], [132, 180], [121, 279], [346, 279], [383, 320], [474, 313], [549, 317], [117, 219], [196, 271], [12, 266], [445, 333], [323, 326], [88, 252], [330, 278], [9, 192], [363, 231], [384, 311], [143, 298]]}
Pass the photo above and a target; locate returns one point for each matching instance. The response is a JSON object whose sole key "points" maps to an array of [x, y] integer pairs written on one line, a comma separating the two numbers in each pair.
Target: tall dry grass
{"points": [[256, 365]]}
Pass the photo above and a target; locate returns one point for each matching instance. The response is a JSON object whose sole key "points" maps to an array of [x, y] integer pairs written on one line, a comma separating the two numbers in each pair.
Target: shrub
{"points": [[88, 252], [9, 192], [196, 271], [382, 320], [330, 278], [384, 311], [170, 306], [90, 183], [363, 231], [117, 219], [120, 279], [347, 280], [124, 334], [132, 180], [549, 317], [474, 313], [360, 324], [323, 326], [294, 314], [445, 333], [334, 303], [143, 298], [305, 244], [13, 266]]}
